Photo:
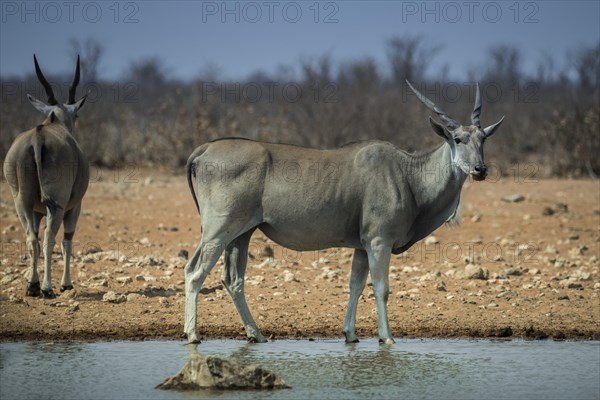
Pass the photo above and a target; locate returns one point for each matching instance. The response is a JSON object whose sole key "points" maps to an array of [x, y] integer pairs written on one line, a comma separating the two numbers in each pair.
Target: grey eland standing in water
{"points": [[369, 196], [48, 175]]}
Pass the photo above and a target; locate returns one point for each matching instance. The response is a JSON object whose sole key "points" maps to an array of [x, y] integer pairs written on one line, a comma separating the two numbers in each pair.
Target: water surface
{"points": [[321, 369]]}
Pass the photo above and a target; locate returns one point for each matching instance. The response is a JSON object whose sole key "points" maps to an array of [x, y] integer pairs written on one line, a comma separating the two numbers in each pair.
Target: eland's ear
{"points": [[75, 107], [40, 105], [489, 131], [439, 129]]}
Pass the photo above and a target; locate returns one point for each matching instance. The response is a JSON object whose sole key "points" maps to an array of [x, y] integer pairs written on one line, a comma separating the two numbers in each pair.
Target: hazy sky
{"points": [[243, 37]]}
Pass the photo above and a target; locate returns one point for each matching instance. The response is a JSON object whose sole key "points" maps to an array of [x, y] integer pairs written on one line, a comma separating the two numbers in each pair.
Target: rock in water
{"points": [[217, 373]]}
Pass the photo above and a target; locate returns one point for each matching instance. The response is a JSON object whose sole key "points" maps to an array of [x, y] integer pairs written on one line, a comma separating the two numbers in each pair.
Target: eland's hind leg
{"points": [[70, 223], [54, 218], [236, 259], [358, 279], [217, 234], [197, 269], [31, 224]]}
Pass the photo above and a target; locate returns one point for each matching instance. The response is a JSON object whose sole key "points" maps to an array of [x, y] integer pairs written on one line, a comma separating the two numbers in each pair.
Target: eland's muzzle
{"points": [[479, 172]]}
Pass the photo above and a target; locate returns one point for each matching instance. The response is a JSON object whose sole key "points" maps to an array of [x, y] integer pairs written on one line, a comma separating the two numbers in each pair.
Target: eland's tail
{"points": [[38, 158], [190, 172]]}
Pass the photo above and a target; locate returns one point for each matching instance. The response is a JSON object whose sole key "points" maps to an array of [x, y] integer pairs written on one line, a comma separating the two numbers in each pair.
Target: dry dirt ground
{"points": [[526, 269]]}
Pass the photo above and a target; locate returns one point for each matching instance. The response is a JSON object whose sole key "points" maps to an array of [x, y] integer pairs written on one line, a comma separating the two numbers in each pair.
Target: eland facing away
{"points": [[48, 175], [369, 196]]}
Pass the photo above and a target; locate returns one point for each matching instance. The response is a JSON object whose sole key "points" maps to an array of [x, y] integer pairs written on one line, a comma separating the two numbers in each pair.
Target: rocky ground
{"points": [[523, 263]]}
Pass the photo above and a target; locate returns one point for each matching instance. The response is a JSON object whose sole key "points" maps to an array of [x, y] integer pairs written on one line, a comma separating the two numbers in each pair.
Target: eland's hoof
{"points": [[48, 294], [192, 338], [351, 337], [33, 289], [386, 341], [259, 339], [65, 288]]}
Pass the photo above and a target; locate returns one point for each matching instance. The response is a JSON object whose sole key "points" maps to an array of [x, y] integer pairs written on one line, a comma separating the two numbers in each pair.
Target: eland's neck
{"points": [[435, 183]]}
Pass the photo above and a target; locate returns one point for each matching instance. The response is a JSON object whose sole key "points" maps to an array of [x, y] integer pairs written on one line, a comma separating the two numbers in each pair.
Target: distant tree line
{"points": [[147, 117]]}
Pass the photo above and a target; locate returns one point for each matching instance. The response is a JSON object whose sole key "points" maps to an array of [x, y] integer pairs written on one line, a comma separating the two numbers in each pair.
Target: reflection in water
{"points": [[380, 367], [326, 369]]}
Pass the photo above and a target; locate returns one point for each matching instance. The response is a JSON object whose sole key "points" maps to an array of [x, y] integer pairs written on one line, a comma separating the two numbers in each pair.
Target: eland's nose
{"points": [[480, 169]]}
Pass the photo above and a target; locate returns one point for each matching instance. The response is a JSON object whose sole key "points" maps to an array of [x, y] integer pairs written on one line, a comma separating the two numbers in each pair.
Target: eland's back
{"points": [[302, 198], [63, 167]]}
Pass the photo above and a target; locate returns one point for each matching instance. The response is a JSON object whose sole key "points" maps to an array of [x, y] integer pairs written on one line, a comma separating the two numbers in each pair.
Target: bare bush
{"points": [[552, 117]]}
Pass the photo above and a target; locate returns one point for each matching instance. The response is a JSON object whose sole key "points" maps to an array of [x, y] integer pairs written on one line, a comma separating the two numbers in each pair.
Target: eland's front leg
{"points": [[379, 253], [358, 279], [204, 259]]}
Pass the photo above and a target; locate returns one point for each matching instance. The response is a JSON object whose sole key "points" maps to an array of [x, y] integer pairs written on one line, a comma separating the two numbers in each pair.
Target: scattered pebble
{"points": [[440, 286], [431, 276], [329, 274], [255, 280], [578, 251], [547, 211], [15, 299], [507, 294], [558, 208], [473, 271], [431, 240], [124, 280], [513, 198], [514, 271], [133, 296], [147, 261], [8, 279], [183, 254], [289, 276], [551, 249], [163, 301], [99, 283], [534, 271], [113, 297], [153, 291], [73, 307]]}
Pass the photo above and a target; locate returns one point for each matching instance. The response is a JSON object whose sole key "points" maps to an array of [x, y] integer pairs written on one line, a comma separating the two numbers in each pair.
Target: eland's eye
{"points": [[457, 140]]}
